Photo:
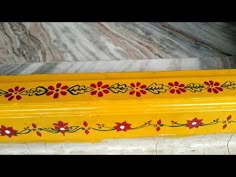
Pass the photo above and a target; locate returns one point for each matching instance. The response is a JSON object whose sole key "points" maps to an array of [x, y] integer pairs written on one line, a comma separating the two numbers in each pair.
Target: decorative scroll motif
{"points": [[101, 89], [64, 128]]}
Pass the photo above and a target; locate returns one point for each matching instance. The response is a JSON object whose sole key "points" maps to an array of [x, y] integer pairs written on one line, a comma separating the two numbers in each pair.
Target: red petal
{"points": [[131, 92], [211, 82], [177, 91], [143, 86], [18, 97], [143, 92], [158, 129], [16, 88], [132, 85], [58, 85], [209, 90], [10, 98], [56, 95], [99, 84], [34, 125], [172, 91], [219, 88], [7, 95], [105, 86], [10, 90], [229, 117], [106, 91], [171, 84], [215, 90], [138, 84], [207, 83], [85, 124], [51, 88], [63, 93], [38, 133], [64, 87], [86, 131], [22, 89], [182, 89], [100, 94], [216, 84], [50, 93], [176, 83], [181, 85], [93, 92], [159, 122], [93, 85], [138, 94], [225, 125]]}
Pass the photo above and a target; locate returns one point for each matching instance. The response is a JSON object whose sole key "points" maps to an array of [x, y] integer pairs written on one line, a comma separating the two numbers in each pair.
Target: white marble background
{"points": [[28, 48]]}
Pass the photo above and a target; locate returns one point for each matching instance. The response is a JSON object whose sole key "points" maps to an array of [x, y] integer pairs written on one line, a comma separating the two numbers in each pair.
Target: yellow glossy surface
{"points": [[70, 107]]}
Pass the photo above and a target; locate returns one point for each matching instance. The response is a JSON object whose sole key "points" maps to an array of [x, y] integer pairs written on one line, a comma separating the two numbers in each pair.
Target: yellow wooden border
{"points": [[92, 107]]}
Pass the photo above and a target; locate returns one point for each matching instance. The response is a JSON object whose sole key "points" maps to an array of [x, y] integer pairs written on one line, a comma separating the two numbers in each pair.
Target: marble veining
{"points": [[56, 42]]}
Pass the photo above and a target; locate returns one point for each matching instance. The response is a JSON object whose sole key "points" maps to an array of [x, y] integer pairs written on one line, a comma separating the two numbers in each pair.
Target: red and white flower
{"points": [[195, 123], [61, 126], [8, 131], [124, 126]]}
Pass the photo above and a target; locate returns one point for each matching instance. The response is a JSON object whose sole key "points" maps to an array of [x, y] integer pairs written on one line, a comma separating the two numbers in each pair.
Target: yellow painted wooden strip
{"points": [[92, 107]]}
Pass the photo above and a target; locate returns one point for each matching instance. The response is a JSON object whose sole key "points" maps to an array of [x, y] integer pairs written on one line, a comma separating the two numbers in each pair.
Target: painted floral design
{"points": [[124, 126], [14, 93], [35, 129], [138, 89], [58, 90], [86, 128], [213, 87], [158, 125], [99, 89], [195, 123], [8, 131], [177, 87], [61, 126]]}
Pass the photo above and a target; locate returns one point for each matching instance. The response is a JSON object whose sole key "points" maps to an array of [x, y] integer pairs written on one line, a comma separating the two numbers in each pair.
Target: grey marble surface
{"points": [[56, 42]]}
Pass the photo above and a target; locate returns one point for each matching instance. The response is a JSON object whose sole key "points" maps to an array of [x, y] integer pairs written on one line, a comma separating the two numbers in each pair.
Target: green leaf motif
{"points": [[195, 87], [119, 88], [229, 85], [157, 88], [2, 92], [38, 91], [79, 89]]}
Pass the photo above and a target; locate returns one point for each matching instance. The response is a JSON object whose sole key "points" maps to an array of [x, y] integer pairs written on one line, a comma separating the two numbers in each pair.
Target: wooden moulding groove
{"points": [[92, 107]]}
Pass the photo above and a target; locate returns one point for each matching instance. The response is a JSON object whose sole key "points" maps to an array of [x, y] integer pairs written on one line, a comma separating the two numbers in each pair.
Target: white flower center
{"points": [[122, 127], [194, 123], [62, 129], [7, 131]]}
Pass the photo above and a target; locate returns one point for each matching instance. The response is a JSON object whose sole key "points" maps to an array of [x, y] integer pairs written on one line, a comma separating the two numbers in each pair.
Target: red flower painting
{"points": [[195, 123], [124, 126], [176, 87], [99, 89], [138, 89], [7, 131], [61, 126], [213, 87], [14, 93], [58, 90]]}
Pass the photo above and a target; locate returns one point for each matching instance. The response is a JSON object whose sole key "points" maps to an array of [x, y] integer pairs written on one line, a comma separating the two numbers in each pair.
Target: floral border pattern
{"points": [[101, 89], [63, 128]]}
